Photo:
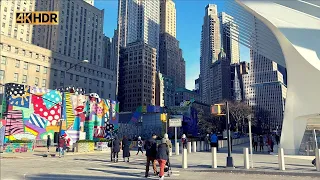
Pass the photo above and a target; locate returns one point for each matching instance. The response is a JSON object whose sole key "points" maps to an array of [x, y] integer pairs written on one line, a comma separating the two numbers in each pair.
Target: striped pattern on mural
{"points": [[74, 135], [38, 121], [14, 123], [69, 111]]}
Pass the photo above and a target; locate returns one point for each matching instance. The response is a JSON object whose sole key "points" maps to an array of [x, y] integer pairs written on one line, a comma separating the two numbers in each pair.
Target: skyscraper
{"points": [[264, 89], [139, 20], [171, 62], [137, 76], [168, 17], [229, 37], [210, 48]]}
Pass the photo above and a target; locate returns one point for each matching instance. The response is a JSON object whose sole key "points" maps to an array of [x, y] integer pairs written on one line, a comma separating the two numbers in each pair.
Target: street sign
{"points": [[175, 122]]}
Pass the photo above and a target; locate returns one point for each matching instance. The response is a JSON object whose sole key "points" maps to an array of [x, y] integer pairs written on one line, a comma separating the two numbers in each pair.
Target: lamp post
{"points": [[250, 138], [64, 80], [229, 158]]}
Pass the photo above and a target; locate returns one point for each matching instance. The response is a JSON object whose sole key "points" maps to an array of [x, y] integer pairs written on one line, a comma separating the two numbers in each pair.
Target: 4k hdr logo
{"points": [[38, 18]]}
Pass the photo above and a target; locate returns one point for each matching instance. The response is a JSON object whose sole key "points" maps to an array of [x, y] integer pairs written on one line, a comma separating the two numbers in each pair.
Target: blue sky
{"points": [[189, 21]]}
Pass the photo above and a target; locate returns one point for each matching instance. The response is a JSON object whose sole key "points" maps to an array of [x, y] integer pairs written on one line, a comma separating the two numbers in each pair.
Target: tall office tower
{"points": [[139, 20], [229, 37], [210, 48], [107, 60], [137, 76], [168, 17], [122, 22], [264, 89], [171, 62], [79, 34], [220, 79]]}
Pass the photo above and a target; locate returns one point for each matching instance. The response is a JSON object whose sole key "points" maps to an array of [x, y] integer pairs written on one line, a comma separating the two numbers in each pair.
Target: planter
{"points": [[18, 147], [84, 147], [103, 146]]}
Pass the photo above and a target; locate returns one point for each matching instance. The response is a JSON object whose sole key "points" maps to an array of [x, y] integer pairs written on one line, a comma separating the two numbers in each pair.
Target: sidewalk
{"points": [[262, 163], [41, 151]]}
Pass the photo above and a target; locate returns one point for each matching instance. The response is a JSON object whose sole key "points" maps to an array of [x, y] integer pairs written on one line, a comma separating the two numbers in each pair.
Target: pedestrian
{"points": [[261, 143], [116, 149], [48, 142], [140, 143], [184, 141], [151, 152], [168, 142], [62, 146], [207, 142], [162, 156], [125, 148], [214, 141], [277, 139], [255, 143]]}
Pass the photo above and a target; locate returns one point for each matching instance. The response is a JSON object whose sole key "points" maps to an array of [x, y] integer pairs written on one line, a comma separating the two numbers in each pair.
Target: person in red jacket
{"points": [[62, 146]]}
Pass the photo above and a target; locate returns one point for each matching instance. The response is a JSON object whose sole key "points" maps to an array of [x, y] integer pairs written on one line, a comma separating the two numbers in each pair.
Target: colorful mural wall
{"points": [[35, 113]]}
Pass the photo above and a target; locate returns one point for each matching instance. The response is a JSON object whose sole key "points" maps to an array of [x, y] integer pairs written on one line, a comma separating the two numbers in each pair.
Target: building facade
{"points": [[168, 17], [220, 79], [183, 94], [137, 76], [107, 58], [24, 63], [210, 48], [165, 91], [264, 89], [229, 37]]}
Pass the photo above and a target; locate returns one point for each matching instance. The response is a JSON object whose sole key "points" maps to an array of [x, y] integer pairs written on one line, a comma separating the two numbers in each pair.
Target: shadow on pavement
{"points": [[123, 173], [77, 177]]}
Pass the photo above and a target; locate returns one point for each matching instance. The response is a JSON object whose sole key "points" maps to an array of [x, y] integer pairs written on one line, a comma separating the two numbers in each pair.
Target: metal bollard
{"points": [[189, 147], [194, 146], [184, 159], [198, 146], [177, 148], [281, 159], [318, 159], [214, 157], [202, 146], [170, 151], [246, 158]]}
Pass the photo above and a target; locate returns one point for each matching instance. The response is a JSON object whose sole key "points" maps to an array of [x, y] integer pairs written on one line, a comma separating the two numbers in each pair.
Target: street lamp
{"points": [[62, 94]]}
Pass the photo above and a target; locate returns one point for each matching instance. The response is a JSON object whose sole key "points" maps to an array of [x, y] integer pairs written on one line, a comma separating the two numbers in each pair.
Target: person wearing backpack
{"points": [[140, 143], [151, 152]]}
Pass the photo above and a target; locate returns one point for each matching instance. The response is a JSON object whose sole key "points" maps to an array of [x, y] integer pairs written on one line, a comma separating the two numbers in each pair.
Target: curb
{"points": [[275, 172]]}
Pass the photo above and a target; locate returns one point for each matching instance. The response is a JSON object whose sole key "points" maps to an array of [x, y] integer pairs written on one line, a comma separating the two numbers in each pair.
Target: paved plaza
{"points": [[98, 166]]}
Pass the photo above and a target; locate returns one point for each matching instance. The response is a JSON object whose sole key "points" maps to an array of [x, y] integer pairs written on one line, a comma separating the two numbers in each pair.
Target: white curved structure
{"points": [[296, 26]]}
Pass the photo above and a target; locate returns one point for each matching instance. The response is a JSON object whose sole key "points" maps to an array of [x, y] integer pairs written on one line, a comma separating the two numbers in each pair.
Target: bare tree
{"points": [[207, 122], [262, 118], [239, 112]]}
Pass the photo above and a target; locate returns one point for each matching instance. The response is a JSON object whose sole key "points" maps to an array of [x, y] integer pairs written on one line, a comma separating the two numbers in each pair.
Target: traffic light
{"points": [[217, 110]]}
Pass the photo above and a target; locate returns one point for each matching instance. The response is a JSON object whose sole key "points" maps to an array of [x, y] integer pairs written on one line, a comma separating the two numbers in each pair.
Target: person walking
{"points": [[62, 146], [261, 143], [116, 149], [48, 142], [125, 148], [255, 143], [207, 142], [151, 152], [168, 142], [140, 143], [277, 137], [214, 141], [184, 141], [162, 156]]}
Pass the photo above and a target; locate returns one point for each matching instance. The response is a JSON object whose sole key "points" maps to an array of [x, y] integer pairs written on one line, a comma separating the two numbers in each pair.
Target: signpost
{"points": [[175, 122]]}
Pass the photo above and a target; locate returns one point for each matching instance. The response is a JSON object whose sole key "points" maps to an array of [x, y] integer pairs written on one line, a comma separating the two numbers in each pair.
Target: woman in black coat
{"points": [[116, 148], [125, 148]]}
